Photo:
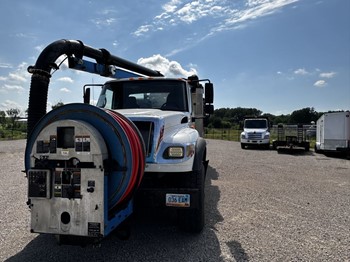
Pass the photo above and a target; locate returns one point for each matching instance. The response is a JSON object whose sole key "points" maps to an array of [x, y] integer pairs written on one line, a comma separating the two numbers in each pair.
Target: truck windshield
{"points": [[255, 123], [157, 94]]}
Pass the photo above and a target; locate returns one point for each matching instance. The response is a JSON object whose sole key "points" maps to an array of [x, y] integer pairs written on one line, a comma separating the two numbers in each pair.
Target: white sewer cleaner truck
{"points": [[88, 166], [333, 133], [255, 133]]}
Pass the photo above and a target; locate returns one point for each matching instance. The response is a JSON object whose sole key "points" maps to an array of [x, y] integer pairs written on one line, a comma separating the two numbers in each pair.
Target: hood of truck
{"points": [[159, 128], [255, 130], [169, 118]]}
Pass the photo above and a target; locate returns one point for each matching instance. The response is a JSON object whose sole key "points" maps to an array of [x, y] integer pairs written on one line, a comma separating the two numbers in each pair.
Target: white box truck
{"points": [[333, 133]]}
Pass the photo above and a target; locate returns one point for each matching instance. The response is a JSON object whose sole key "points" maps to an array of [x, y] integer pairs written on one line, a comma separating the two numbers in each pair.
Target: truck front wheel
{"points": [[192, 220]]}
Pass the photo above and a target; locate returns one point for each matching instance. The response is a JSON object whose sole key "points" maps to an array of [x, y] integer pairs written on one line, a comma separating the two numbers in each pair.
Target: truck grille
{"points": [[254, 136], [147, 132]]}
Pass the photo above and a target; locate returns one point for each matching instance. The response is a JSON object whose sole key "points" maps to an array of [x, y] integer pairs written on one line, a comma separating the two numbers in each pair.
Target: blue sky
{"points": [[274, 55]]}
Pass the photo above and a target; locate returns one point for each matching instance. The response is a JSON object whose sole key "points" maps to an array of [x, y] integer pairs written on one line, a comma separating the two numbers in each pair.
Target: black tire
{"points": [[274, 145], [316, 150], [307, 147], [242, 146], [193, 220]]}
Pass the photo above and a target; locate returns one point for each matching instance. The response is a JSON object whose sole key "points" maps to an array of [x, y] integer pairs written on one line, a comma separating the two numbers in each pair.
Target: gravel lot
{"points": [[261, 206]]}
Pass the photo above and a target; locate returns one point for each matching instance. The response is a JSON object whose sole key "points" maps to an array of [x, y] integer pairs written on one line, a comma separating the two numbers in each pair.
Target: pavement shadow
{"points": [[238, 251], [294, 151], [154, 237]]}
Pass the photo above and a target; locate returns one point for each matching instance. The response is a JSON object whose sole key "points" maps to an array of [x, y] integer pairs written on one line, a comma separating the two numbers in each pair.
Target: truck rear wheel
{"points": [[192, 220]]}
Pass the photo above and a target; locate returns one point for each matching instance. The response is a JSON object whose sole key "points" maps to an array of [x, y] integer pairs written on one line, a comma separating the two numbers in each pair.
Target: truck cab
{"points": [[255, 132], [169, 114]]}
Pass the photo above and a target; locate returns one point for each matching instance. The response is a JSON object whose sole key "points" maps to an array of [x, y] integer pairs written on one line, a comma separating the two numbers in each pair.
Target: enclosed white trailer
{"points": [[333, 132]]}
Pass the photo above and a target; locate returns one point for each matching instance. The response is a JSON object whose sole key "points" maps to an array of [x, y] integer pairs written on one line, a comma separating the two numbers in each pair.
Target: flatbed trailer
{"points": [[289, 142]]}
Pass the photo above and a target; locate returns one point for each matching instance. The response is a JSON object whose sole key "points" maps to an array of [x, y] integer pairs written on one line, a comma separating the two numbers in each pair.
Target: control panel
{"points": [[67, 183], [39, 183], [67, 178]]}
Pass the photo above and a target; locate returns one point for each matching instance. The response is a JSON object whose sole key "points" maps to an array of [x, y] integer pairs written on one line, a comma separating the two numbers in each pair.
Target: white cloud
{"points": [[328, 74], [39, 48], [256, 2], [9, 104], [103, 22], [65, 90], [13, 81], [5, 65], [220, 15], [18, 77], [9, 88], [142, 30], [320, 83], [301, 71], [107, 12], [165, 66], [196, 10], [66, 80], [171, 6]]}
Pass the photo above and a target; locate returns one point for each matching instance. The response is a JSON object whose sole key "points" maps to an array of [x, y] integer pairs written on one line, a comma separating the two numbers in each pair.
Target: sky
{"points": [[277, 56]]}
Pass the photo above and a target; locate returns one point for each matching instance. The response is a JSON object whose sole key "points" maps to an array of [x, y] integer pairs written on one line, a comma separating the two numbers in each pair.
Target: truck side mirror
{"points": [[87, 95], [209, 109], [209, 93]]}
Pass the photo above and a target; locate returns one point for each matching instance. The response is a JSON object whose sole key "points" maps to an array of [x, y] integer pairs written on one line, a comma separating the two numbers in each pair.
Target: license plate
{"points": [[177, 200]]}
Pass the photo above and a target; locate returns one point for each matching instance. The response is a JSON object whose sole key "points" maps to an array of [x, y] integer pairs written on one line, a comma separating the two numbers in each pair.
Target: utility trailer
{"points": [[88, 165], [291, 138], [333, 133]]}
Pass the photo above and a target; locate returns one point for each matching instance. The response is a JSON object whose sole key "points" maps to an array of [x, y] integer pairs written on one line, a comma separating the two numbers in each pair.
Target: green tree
{"points": [[214, 122], [2, 117], [233, 115], [281, 119], [304, 116], [57, 105], [13, 113]]}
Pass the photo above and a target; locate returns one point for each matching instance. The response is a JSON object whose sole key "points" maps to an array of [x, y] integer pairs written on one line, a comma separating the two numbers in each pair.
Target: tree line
{"points": [[10, 127], [222, 118], [233, 117]]}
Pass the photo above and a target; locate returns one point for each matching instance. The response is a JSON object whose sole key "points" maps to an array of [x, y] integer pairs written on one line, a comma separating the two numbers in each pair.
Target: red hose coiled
{"points": [[138, 154]]}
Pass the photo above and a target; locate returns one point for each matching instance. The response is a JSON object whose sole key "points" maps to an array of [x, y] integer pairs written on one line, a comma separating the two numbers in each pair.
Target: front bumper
{"points": [[255, 141], [177, 166]]}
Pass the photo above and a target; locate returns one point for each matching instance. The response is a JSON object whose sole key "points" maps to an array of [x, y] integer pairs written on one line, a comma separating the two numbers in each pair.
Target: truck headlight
{"points": [[267, 136], [174, 152], [243, 135]]}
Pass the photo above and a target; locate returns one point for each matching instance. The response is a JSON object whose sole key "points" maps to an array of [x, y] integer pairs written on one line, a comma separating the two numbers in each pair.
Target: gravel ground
{"points": [[261, 206]]}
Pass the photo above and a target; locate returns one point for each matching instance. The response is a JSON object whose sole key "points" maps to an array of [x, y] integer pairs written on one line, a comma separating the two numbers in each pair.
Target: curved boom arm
{"points": [[75, 50]]}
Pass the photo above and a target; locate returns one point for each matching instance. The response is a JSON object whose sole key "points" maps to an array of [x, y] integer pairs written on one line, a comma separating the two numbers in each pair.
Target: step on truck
{"points": [[88, 166]]}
